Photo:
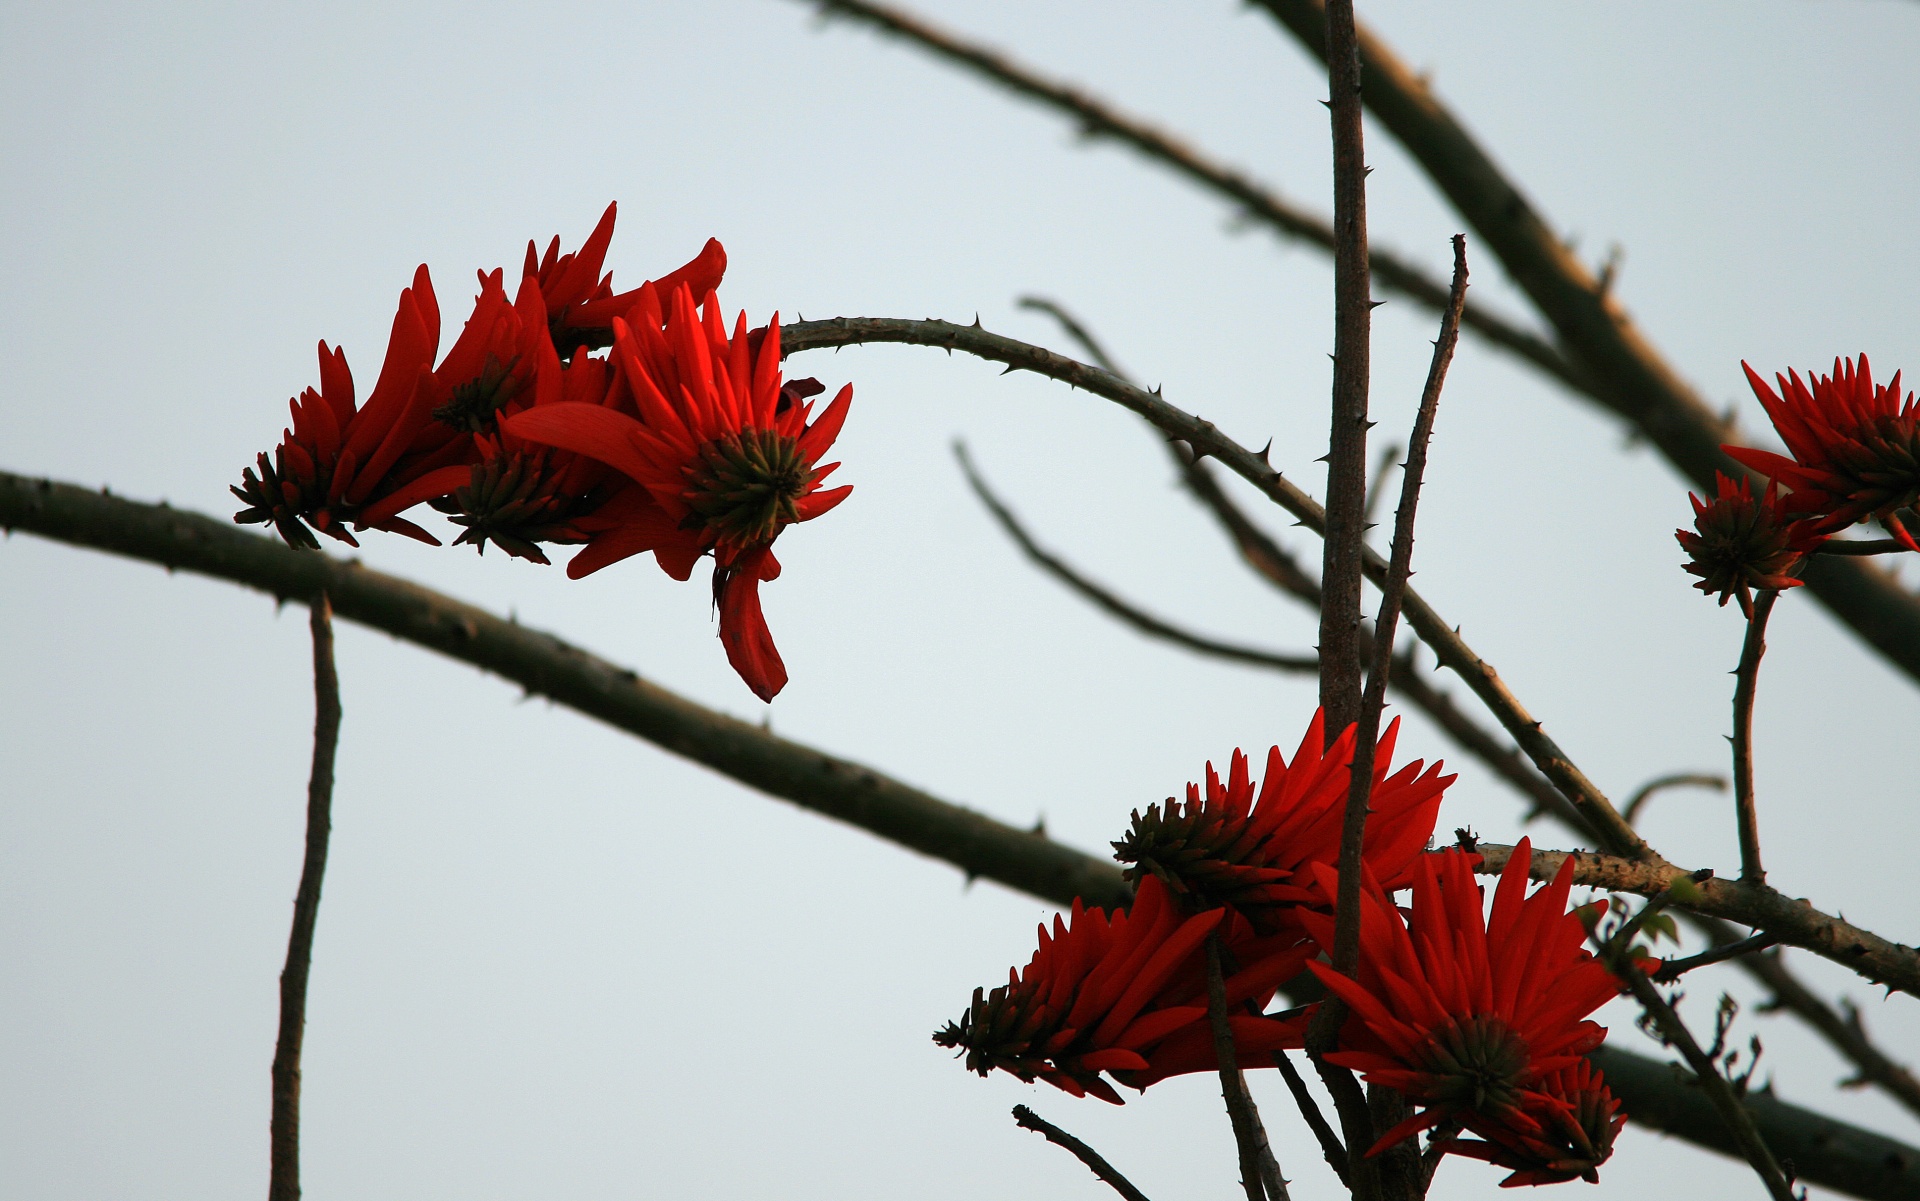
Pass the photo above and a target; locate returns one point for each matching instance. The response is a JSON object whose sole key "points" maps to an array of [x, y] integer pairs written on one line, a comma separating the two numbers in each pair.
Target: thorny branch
{"points": [[1827, 1152], [1621, 367], [284, 1127], [1259, 1171], [1098, 118], [1029, 1120]]}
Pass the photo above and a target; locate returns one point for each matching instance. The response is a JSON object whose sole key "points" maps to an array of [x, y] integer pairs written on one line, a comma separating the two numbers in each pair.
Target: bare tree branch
{"points": [[1207, 440], [1111, 602], [1097, 118], [1825, 1151], [1625, 372], [284, 1127], [1029, 1120]]}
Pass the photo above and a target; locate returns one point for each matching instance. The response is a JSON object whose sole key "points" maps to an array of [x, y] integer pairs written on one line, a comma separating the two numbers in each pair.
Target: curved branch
{"points": [[1111, 602], [1827, 1152], [1758, 906], [1207, 440]]}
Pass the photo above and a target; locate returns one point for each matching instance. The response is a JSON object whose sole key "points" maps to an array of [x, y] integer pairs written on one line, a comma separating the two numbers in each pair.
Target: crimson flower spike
{"points": [[1573, 1119], [725, 452], [339, 461], [1855, 447], [1466, 1015], [1739, 543], [1126, 995], [581, 302], [1231, 848]]}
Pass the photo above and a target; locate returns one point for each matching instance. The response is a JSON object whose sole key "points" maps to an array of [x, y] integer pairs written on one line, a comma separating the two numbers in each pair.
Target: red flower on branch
{"points": [[581, 302], [1565, 1131], [1855, 447], [338, 462], [1466, 1015], [1738, 543], [1126, 995], [725, 453], [1231, 848]]}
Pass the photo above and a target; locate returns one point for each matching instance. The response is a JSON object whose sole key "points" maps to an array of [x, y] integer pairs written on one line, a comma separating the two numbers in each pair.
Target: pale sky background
{"points": [[557, 962]]}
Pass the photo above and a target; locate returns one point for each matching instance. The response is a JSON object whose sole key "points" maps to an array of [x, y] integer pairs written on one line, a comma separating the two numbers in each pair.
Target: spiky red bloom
{"points": [[1855, 447], [727, 456], [1739, 543], [1565, 1130], [339, 462], [1126, 995], [1464, 1014], [581, 302], [1230, 848]]}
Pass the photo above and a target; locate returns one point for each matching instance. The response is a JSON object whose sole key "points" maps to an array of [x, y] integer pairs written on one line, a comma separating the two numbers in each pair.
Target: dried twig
{"points": [[1673, 969], [1660, 784], [1029, 1120], [1112, 602], [1748, 676], [1330, 1148], [1826, 1151], [284, 1128], [1259, 1171]]}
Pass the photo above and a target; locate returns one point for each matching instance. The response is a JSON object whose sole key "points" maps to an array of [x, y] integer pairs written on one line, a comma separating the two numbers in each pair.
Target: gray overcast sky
{"points": [[553, 961]]}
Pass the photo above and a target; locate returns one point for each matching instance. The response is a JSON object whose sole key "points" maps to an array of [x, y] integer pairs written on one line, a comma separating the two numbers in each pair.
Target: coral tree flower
{"points": [[581, 302], [726, 455], [1125, 995], [1572, 1119], [338, 460], [1855, 447], [1739, 543], [1467, 1016], [1230, 848]]}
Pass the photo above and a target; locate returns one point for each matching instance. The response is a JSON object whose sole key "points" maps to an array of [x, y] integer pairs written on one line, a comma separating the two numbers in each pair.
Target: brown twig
{"points": [[284, 1128], [1344, 534], [1377, 485], [1097, 118], [1259, 1171], [1029, 1120], [1626, 373], [1748, 676], [1740, 1122], [1673, 969], [1330, 1148], [1111, 602], [1826, 1151], [1759, 907], [1660, 784]]}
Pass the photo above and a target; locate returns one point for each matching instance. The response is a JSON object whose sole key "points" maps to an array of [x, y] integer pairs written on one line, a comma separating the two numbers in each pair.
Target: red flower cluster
{"points": [[1231, 848], [683, 441], [1739, 543], [1481, 1022], [1127, 995], [1855, 448]]}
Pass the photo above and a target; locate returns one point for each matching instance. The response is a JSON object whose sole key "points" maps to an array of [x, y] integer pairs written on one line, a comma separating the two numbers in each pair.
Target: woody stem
{"points": [[1747, 680], [1259, 1171]]}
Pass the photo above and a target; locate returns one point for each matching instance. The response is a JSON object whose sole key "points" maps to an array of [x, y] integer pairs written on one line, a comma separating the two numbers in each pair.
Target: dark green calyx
{"points": [[746, 486], [1478, 1064], [476, 404]]}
